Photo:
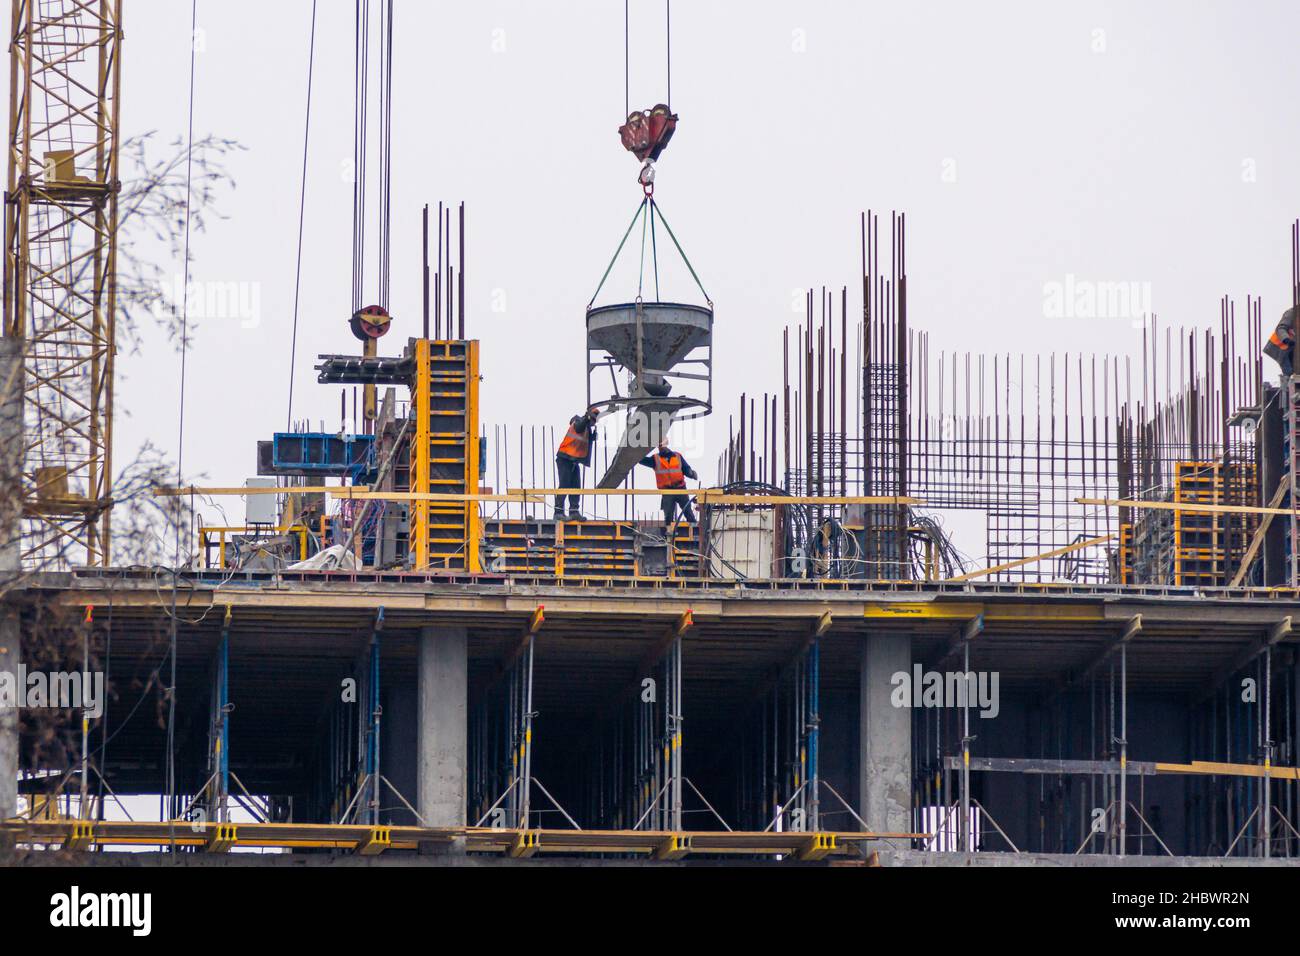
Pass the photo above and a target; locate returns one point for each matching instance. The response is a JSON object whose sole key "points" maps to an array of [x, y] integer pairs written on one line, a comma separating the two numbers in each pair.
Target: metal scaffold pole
{"points": [[83, 810], [368, 775], [372, 750], [219, 753], [814, 735], [1123, 750], [965, 843], [526, 738], [676, 658], [1266, 782]]}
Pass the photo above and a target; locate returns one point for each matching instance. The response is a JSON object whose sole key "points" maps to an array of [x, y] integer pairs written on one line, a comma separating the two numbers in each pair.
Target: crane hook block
{"points": [[370, 322], [647, 132]]}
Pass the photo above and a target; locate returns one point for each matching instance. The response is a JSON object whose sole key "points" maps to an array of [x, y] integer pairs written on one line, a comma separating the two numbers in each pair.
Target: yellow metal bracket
{"points": [[80, 836], [376, 842], [674, 848], [818, 847], [221, 838], [526, 844], [823, 624]]}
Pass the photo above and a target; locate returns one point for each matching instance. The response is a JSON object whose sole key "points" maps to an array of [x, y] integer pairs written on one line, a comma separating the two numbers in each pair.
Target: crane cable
{"points": [[386, 164], [627, 56], [360, 140], [361, 92], [180, 441], [302, 205]]}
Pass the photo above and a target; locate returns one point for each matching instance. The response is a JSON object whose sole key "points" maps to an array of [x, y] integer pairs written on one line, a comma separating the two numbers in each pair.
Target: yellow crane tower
{"points": [[60, 269]]}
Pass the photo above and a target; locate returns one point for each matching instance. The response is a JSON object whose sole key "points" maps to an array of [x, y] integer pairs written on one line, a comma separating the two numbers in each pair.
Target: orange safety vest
{"points": [[1278, 345], [576, 445], [668, 471]]}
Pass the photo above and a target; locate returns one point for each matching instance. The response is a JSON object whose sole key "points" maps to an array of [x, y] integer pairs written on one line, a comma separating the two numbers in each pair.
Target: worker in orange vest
{"points": [[671, 471], [574, 451], [1281, 344]]}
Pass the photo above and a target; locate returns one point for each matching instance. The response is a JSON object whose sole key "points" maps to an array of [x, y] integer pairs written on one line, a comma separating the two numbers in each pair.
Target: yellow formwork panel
{"points": [[460, 540]]}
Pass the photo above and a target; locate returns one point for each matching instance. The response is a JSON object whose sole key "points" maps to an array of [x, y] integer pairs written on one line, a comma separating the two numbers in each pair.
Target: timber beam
{"points": [[969, 631], [1279, 631], [1131, 630]]}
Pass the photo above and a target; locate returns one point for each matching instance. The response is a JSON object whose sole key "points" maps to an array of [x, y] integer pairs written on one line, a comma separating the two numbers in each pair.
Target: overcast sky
{"points": [[1154, 142]]}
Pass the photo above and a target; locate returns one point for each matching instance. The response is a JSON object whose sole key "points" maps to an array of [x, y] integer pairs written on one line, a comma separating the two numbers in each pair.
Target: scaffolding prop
{"points": [[369, 782], [502, 742]]}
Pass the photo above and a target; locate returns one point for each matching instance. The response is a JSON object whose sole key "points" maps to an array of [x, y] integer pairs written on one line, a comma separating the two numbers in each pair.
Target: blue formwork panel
{"points": [[322, 453]]}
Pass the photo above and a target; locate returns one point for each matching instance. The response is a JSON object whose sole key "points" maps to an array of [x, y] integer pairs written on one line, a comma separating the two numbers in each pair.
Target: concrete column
{"points": [[11, 444], [9, 637], [885, 742], [441, 735]]}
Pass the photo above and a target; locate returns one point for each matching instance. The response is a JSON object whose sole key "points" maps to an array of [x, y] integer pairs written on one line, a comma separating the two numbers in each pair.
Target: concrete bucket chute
{"points": [[647, 422]]}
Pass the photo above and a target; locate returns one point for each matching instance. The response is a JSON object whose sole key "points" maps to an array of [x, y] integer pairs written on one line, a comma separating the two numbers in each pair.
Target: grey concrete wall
{"points": [[885, 736], [442, 712]]}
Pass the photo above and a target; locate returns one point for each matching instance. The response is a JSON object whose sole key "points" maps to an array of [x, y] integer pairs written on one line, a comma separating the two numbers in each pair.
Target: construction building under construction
{"points": [[403, 650]]}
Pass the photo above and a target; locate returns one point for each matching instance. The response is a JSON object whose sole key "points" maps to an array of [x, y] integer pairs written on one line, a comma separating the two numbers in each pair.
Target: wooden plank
{"points": [[1215, 768], [1276, 633], [1258, 540], [1045, 556], [516, 495], [1186, 506], [187, 490]]}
